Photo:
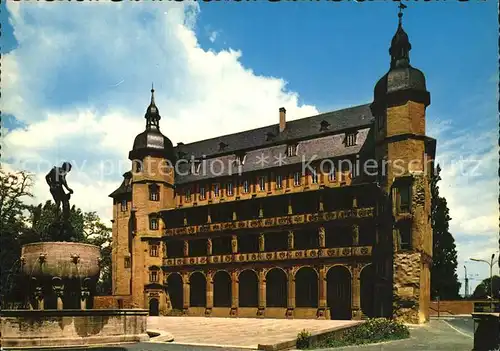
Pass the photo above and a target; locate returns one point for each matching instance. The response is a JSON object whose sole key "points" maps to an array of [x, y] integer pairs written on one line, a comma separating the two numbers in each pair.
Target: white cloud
{"points": [[213, 36], [80, 80], [63, 83]]}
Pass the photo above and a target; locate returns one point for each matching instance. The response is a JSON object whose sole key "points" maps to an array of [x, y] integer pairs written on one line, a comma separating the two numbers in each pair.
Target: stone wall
{"points": [[451, 307], [112, 302], [37, 328]]}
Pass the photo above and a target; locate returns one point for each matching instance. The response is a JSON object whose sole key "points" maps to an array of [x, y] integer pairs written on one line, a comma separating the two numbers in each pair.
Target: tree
{"points": [[14, 188], [444, 279], [482, 291]]}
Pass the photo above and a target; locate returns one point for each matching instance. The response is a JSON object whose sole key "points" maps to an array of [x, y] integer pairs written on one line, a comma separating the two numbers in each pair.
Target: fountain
{"points": [[61, 278]]}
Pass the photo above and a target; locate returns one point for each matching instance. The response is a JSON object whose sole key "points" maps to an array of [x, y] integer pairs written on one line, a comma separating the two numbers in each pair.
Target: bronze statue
{"points": [[56, 179]]}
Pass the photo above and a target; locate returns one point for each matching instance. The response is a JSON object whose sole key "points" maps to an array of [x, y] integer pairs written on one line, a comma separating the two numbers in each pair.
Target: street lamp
{"points": [[491, 276]]}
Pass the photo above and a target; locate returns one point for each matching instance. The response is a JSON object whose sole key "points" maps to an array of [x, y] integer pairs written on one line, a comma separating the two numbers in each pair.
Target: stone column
{"points": [[322, 292], [185, 292], [262, 245], [234, 244], [291, 293], [262, 293], [290, 208], [234, 293], [165, 249], [321, 237], [355, 235], [290, 240], [209, 247], [261, 210], [209, 217], [235, 216], [210, 294], [321, 204], [356, 292], [186, 248]]}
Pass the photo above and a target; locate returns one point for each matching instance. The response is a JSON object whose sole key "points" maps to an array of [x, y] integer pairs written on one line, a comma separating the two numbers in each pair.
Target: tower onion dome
{"points": [[152, 142], [402, 80]]}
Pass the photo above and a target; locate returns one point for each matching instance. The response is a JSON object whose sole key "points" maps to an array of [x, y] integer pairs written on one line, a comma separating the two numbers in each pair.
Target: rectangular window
{"points": [[216, 190], [296, 179], [127, 262], [202, 192], [124, 205], [332, 174], [153, 250], [405, 237], [350, 139], [291, 150], [262, 183], [314, 177], [153, 276], [279, 181], [404, 199], [229, 189], [187, 195], [246, 187], [153, 224], [154, 192]]}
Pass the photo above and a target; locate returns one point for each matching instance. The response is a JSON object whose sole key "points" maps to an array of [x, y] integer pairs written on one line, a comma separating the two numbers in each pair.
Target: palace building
{"points": [[321, 217]]}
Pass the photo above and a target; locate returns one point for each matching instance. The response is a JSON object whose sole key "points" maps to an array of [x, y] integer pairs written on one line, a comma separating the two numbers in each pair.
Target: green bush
{"points": [[303, 340], [372, 331]]}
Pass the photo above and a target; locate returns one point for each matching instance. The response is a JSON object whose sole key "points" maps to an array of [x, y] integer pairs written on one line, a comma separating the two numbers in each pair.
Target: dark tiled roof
{"points": [[313, 140], [318, 148], [303, 128], [124, 187]]}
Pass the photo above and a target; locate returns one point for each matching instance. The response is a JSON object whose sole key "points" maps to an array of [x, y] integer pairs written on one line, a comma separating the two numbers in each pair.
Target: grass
{"points": [[372, 331]]}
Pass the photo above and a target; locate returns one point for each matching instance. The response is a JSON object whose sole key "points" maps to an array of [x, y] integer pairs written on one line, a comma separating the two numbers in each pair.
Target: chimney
{"points": [[282, 119]]}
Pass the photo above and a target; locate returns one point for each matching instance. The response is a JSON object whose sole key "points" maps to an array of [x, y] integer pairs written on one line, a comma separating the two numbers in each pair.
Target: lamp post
{"points": [[491, 277]]}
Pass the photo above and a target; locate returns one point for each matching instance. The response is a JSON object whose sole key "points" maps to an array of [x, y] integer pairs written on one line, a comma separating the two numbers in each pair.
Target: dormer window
{"points": [[154, 192], [291, 150], [195, 166], [350, 139], [246, 187], [240, 159], [187, 195], [324, 126], [124, 205], [216, 190], [222, 146]]}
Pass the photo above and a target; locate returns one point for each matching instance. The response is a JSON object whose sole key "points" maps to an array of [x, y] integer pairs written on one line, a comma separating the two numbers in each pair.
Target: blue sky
{"points": [[85, 70]]}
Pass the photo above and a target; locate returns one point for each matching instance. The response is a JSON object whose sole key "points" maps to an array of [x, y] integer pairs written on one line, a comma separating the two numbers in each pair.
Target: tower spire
{"points": [[400, 45], [152, 115]]}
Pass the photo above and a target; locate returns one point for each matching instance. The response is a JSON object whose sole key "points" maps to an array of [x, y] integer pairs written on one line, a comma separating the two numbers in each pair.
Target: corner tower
{"points": [[137, 227], [404, 154]]}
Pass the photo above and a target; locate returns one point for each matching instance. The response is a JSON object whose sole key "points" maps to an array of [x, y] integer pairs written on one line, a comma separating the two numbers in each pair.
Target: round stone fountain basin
{"points": [[60, 259]]}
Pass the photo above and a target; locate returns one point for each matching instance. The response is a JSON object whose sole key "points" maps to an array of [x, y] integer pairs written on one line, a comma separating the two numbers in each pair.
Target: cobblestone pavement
{"points": [[238, 332]]}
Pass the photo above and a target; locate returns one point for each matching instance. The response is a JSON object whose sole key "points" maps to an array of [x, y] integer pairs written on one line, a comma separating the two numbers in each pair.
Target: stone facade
{"points": [[289, 240]]}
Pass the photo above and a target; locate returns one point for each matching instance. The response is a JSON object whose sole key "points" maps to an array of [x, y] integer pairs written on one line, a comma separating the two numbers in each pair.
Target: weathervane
{"points": [[401, 7]]}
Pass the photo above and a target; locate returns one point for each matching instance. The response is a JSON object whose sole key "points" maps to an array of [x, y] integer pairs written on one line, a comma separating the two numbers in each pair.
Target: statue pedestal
{"points": [[487, 331]]}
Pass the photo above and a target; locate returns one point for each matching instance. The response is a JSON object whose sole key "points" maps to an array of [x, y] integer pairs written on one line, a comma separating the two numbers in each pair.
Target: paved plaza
{"points": [[239, 332]]}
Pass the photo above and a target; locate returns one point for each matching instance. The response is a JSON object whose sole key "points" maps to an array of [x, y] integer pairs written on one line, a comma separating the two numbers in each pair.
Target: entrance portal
{"points": [[339, 292]]}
